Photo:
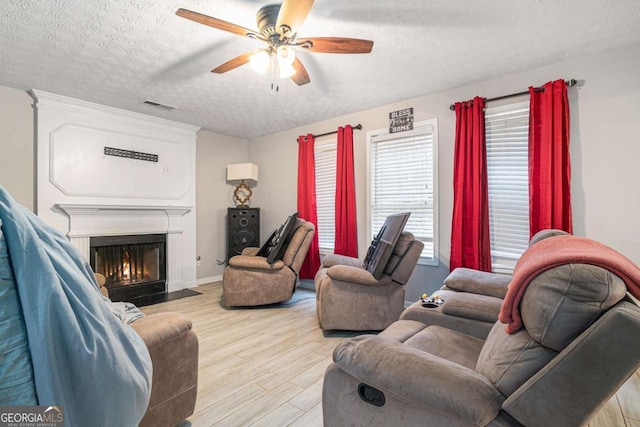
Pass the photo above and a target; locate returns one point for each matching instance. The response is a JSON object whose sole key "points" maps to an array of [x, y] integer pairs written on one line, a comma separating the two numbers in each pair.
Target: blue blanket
{"points": [[17, 386], [85, 360]]}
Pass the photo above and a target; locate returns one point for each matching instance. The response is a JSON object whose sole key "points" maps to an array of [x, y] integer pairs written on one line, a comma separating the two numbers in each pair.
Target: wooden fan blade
{"points": [[335, 45], [301, 77], [234, 63], [216, 23], [292, 14]]}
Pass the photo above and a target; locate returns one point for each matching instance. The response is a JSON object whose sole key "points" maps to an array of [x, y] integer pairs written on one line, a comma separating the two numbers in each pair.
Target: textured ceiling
{"points": [[123, 52]]}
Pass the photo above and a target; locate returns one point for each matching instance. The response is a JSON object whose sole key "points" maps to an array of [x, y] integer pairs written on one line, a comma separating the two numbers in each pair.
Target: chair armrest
{"points": [[420, 378], [472, 306], [347, 273], [478, 282], [159, 328], [333, 259], [255, 262], [250, 250]]}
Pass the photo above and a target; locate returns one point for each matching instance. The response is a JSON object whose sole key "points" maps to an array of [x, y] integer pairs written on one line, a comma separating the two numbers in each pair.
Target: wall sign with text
{"points": [[401, 120]]}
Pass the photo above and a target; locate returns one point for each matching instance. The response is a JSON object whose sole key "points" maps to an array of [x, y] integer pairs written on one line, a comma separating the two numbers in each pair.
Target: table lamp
{"points": [[237, 174]]}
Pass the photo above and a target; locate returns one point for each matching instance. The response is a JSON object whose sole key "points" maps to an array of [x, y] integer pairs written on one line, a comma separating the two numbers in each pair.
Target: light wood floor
{"points": [[264, 366]]}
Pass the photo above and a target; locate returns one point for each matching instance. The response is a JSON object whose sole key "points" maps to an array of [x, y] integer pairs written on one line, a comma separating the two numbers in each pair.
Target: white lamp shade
{"points": [[242, 171], [286, 54], [260, 60], [286, 70]]}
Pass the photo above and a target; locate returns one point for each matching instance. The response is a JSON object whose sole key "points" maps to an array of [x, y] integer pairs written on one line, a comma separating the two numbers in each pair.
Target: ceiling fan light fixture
{"points": [[260, 60], [286, 54], [278, 27], [286, 69]]}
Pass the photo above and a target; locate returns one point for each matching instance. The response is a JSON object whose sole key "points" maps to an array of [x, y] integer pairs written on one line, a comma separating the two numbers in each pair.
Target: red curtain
{"points": [[307, 208], [346, 237], [470, 245], [549, 163]]}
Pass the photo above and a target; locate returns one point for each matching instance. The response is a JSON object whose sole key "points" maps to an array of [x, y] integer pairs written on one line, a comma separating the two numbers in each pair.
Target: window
{"points": [[507, 130], [326, 157], [403, 178]]}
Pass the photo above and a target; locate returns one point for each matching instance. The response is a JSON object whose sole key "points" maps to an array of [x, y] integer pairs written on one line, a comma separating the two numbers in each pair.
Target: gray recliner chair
{"points": [[348, 297], [579, 343]]}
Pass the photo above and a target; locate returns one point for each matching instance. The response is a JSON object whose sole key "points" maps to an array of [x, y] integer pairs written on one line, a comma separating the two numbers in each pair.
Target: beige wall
{"points": [[17, 161], [605, 149], [213, 197]]}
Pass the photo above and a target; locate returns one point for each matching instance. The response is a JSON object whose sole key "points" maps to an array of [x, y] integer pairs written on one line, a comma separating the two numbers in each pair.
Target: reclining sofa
{"points": [[567, 337]]}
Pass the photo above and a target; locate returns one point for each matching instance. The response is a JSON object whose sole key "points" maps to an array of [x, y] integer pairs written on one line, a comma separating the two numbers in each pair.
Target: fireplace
{"points": [[134, 266]]}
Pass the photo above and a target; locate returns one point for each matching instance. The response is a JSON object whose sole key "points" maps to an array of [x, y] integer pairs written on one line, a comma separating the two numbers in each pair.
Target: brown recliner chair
{"points": [[348, 297], [173, 347], [579, 343], [250, 280]]}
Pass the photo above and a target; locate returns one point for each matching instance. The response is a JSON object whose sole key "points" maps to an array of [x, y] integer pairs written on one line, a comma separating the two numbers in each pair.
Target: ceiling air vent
{"points": [[158, 105]]}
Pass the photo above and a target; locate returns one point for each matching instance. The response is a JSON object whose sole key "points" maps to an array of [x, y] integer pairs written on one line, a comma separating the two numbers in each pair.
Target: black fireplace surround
{"points": [[134, 266]]}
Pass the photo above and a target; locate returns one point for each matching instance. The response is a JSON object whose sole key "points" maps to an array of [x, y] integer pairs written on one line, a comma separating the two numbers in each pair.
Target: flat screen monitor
{"points": [[383, 244], [273, 249]]}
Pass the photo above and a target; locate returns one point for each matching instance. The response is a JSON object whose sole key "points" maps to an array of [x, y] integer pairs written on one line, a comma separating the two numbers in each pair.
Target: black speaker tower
{"points": [[243, 230]]}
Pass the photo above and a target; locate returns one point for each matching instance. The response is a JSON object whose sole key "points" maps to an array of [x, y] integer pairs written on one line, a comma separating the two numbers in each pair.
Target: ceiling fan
{"points": [[278, 25]]}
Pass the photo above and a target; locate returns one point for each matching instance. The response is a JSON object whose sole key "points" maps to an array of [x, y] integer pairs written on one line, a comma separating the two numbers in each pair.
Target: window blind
{"points": [[325, 162], [402, 180], [507, 130]]}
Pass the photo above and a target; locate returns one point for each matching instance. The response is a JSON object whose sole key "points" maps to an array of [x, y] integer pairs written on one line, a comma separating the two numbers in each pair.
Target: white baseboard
{"points": [[205, 280]]}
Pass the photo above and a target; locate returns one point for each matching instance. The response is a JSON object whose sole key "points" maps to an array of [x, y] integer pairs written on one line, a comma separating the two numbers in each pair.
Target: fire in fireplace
{"points": [[134, 266]]}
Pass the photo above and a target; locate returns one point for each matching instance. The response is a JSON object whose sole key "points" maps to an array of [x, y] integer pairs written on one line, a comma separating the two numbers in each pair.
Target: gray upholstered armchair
{"points": [[348, 297], [579, 342], [250, 280]]}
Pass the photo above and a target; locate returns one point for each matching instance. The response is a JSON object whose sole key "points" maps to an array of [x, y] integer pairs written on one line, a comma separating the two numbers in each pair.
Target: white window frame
{"points": [[330, 145], [513, 234], [383, 134]]}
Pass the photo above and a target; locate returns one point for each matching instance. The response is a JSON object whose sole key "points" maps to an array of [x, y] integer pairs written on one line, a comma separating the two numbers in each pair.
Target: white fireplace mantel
{"points": [[93, 220], [82, 191], [87, 220]]}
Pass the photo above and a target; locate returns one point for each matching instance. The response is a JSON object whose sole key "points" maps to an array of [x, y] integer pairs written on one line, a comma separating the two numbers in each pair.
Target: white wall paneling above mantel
{"points": [[79, 167], [83, 192]]}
